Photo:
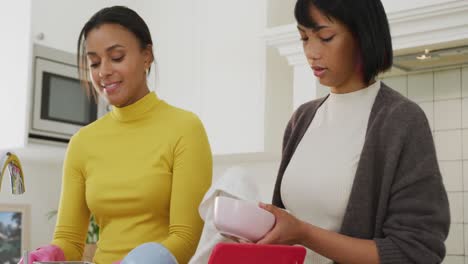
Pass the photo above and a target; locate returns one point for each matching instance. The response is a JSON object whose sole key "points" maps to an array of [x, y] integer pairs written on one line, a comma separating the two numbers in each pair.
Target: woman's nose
{"points": [[312, 51], [105, 69]]}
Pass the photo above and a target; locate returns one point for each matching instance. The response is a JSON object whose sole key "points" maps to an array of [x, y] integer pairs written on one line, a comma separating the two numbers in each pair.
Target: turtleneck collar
{"points": [[356, 94], [136, 110]]}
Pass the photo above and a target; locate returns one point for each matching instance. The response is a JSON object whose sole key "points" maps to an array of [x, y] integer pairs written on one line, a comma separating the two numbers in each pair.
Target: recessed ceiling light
{"points": [[424, 56]]}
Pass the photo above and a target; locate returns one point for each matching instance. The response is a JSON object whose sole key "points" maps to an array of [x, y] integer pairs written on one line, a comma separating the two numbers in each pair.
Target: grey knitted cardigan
{"points": [[397, 198]]}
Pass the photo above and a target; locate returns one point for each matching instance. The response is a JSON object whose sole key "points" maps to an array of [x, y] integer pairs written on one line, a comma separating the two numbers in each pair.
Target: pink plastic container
{"points": [[241, 219]]}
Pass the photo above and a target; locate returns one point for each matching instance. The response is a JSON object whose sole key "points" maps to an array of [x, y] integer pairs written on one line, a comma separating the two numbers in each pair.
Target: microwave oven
{"points": [[60, 106]]}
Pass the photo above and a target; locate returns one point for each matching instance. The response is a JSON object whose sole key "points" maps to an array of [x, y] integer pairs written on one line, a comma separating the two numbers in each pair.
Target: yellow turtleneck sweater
{"points": [[142, 171]]}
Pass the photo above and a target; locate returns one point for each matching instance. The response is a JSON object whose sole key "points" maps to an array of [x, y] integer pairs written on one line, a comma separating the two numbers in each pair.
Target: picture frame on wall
{"points": [[14, 232]]}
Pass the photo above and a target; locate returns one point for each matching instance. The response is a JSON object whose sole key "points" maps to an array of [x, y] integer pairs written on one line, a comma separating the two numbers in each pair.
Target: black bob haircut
{"points": [[119, 15], [367, 21]]}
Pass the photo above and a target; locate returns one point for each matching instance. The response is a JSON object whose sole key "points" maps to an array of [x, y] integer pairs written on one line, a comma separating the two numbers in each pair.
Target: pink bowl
{"points": [[241, 219]]}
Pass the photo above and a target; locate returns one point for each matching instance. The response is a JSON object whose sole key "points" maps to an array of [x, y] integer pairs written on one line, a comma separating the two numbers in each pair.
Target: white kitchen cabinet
{"points": [[211, 60]]}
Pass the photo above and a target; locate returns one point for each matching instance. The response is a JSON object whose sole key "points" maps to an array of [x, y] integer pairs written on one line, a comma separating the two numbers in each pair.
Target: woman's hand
{"points": [[45, 253], [287, 229]]}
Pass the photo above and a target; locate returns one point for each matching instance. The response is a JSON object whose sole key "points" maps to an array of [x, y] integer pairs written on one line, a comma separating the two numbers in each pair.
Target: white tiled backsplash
{"points": [[443, 96]]}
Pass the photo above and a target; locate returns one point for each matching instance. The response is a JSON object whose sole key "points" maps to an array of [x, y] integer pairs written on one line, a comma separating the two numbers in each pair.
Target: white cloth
{"points": [[318, 180], [235, 183]]}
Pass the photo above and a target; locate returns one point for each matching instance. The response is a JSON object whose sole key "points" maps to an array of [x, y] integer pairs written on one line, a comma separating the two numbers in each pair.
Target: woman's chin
{"points": [[325, 82], [115, 101]]}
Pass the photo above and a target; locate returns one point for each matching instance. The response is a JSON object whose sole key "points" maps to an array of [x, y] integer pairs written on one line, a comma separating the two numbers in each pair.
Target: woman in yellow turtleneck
{"points": [[143, 168]]}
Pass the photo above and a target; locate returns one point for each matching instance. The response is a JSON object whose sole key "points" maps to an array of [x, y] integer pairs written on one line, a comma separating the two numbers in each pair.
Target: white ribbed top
{"points": [[318, 180]]}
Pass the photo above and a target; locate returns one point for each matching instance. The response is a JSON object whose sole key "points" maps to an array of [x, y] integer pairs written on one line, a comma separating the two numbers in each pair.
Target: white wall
{"points": [[233, 92], [176, 40], [280, 12], [392, 6], [61, 21], [278, 100], [210, 60], [15, 51]]}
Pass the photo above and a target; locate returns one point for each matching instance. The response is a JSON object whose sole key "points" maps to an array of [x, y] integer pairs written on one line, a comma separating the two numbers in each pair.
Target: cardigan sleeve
{"points": [[418, 216]]}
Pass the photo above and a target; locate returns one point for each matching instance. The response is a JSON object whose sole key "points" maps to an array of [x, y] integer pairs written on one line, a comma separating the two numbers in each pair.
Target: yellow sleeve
{"points": [[73, 213], [192, 174]]}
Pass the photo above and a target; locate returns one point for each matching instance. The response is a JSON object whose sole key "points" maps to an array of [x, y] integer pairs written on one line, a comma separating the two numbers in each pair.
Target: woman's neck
{"points": [[351, 86]]}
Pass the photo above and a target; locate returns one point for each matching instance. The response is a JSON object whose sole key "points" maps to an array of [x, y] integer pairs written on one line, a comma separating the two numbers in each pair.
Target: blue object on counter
{"points": [[149, 253]]}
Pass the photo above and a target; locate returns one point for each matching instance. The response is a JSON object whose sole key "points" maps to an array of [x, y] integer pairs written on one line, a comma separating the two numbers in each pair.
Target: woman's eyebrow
{"points": [[316, 28], [108, 49]]}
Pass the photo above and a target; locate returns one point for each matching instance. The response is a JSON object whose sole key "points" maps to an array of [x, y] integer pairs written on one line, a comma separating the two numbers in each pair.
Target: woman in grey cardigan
{"points": [[359, 175]]}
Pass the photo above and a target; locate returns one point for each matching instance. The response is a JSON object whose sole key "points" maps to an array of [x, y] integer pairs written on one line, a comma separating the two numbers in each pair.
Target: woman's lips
{"points": [[319, 71], [110, 87]]}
